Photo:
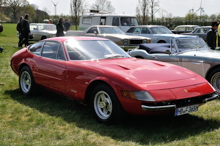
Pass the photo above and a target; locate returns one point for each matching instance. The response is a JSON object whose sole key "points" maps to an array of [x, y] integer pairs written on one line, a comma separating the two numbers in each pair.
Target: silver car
{"points": [[112, 33], [193, 54], [42, 31], [200, 31], [158, 34]]}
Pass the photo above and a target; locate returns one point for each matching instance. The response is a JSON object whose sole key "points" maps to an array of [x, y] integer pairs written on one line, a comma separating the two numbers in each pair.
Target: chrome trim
{"points": [[213, 97], [158, 108]]}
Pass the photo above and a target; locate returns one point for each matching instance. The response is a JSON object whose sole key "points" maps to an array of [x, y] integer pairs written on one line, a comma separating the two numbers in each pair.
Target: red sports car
{"points": [[97, 72]]}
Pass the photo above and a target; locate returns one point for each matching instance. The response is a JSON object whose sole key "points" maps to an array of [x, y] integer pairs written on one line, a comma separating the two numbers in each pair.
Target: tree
{"points": [[142, 11], [191, 17], [103, 5], [213, 17], [15, 6], [154, 7], [77, 7]]}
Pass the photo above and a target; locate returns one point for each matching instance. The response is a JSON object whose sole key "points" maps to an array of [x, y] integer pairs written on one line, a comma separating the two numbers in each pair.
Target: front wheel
{"points": [[214, 79], [26, 81], [105, 104]]}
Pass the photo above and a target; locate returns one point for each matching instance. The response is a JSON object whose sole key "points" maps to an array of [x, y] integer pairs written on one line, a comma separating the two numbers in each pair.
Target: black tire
{"points": [[214, 79], [26, 81], [105, 105]]}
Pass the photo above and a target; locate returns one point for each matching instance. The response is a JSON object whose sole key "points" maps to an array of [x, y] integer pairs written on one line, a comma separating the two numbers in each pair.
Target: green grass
{"points": [[50, 119]]}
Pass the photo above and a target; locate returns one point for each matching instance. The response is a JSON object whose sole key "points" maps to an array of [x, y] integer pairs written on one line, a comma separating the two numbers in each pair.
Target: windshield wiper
{"points": [[113, 56]]}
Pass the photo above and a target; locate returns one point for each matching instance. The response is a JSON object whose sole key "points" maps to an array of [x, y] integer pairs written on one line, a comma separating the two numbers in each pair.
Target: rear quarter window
{"points": [[36, 48]]}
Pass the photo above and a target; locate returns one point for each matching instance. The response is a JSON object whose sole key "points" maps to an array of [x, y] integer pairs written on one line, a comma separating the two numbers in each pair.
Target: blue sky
{"points": [[176, 7]]}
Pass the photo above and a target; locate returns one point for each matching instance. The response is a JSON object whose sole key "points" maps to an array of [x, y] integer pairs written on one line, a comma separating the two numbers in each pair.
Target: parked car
{"points": [[113, 33], [184, 29], [42, 31], [193, 54], [157, 33], [99, 73], [200, 31]]}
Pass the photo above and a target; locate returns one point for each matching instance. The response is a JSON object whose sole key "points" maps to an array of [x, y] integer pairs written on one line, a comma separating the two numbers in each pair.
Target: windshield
{"points": [[93, 50], [186, 44], [110, 30], [160, 30], [50, 27], [129, 21]]}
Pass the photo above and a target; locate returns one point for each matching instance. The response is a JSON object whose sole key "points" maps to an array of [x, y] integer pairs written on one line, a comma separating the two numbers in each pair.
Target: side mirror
{"points": [[95, 32], [168, 52]]}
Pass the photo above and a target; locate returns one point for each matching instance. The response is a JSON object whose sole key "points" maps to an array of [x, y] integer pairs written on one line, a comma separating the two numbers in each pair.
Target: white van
{"points": [[124, 22]]}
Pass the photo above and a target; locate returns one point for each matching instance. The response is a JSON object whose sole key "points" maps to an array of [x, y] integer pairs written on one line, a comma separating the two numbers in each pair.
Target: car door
{"points": [[51, 66]]}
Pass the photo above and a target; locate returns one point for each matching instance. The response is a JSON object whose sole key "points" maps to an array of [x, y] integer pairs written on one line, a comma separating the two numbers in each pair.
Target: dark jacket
{"points": [[60, 29], [19, 28], [211, 39], [25, 26]]}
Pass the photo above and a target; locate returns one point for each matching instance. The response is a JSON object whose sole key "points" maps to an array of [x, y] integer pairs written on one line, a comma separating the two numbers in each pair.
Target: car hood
{"points": [[123, 36], [147, 72], [206, 53]]}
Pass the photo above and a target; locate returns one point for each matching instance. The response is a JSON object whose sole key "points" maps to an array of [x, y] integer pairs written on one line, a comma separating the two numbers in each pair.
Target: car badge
{"points": [[185, 90]]}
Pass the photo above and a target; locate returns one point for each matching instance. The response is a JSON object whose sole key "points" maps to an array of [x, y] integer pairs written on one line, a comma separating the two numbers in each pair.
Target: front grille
{"points": [[181, 102], [135, 42]]}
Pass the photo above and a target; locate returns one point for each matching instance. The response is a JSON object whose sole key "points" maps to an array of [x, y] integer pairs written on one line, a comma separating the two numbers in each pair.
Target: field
{"points": [[50, 119]]}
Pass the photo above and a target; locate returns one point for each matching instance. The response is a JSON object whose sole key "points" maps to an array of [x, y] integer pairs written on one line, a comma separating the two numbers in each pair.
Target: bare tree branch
{"points": [[104, 5]]}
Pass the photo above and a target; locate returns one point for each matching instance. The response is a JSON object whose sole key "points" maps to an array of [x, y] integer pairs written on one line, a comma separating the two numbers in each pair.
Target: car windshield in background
{"points": [[93, 50], [110, 30], [160, 30], [48, 27], [129, 21], [186, 44]]}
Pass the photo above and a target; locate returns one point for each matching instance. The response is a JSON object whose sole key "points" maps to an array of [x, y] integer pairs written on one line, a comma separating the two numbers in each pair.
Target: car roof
{"points": [[188, 26], [149, 26], [63, 39]]}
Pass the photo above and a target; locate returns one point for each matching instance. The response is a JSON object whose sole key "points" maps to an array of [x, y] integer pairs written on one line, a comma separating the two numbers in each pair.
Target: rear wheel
{"points": [[105, 104], [214, 79], [26, 81]]}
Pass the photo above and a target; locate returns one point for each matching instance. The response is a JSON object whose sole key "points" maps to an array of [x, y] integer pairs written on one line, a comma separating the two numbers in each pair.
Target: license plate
{"points": [[186, 110]]}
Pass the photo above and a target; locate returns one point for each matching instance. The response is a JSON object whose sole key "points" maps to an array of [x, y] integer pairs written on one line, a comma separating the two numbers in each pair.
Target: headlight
{"points": [[125, 42], [138, 95], [144, 41]]}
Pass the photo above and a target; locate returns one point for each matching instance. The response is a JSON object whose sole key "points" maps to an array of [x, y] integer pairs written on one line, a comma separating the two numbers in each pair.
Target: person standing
{"points": [[19, 29], [25, 29], [66, 25], [211, 35], [60, 28]]}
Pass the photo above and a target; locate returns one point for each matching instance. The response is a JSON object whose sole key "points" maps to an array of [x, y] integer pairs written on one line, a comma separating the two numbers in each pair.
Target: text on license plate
{"points": [[186, 110]]}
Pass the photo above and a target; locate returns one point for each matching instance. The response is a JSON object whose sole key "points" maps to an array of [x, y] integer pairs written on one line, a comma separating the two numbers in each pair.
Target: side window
{"points": [[91, 30], [87, 20], [115, 21], [181, 28], [145, 31], [189, 28], [50, 49], [131, 30], [60, 54], [36, 48], [137, 31]]}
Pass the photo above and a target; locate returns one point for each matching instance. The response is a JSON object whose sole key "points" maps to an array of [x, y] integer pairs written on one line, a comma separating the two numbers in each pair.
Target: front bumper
{"points": [[187, 102]]}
